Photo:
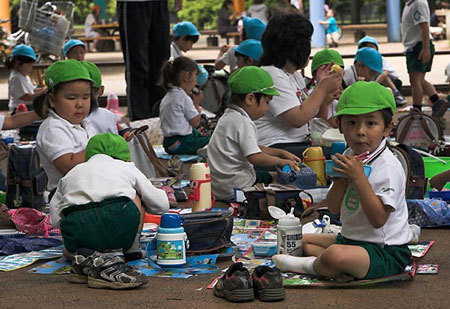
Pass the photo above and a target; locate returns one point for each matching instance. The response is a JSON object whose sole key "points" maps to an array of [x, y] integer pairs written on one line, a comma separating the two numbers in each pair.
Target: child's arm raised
{"points": [[336, 194], [31, 96], [264, 159], [196, 99], [68, 161], [19, 120], [373, 207]]}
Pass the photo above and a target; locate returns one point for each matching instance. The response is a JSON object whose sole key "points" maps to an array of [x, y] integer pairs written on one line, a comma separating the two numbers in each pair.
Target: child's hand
{"points": [[331, 81], [224, 49], [197, 98], [292, 164], [349, 166], [425, 56], [289, 156]]}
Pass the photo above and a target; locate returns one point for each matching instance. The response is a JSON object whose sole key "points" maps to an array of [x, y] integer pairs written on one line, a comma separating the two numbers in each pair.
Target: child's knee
{"points": [[333, 257]]}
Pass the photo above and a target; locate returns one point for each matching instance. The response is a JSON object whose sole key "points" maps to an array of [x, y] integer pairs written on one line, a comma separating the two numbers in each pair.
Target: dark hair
{"points": [[239, 98], [386, 114], [226, 3], [173, 68], [11, 61], [41, 104], [193, 38], [287, 38], [257, 1], [246, 58], [365, 45]]}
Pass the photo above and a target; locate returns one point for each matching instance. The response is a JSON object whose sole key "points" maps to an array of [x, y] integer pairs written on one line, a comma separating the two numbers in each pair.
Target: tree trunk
{"points": [[355, 13]]}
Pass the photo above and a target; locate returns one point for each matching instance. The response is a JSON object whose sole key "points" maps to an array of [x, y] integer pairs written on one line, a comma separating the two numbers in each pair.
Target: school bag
{"points": [[304, 178], [414, 168], [418, 130], [26, 180], [215, 91], [208, 231]]}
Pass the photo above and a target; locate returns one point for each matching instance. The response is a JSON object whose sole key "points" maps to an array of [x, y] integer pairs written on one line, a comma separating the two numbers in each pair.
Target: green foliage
{"points": [[203, 13]]}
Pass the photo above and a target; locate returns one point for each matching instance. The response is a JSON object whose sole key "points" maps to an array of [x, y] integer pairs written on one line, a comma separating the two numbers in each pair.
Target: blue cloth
{"points": [[18, 243], [332, 26]]}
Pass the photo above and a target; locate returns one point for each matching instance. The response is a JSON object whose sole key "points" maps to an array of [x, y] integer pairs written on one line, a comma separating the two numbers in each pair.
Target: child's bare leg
{"points": [[315, 244], [339, 261], [134, 252], [137, 201], [416, 79], [428, 88]]}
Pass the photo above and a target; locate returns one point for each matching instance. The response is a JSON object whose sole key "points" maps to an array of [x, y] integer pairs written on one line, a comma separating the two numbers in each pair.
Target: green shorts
{"points": [[263, 177], [109, 224], [187, 144], [412, 59], [387, 261]]}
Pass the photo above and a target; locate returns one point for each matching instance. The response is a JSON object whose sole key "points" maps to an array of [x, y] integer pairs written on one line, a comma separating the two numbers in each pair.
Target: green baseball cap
{"points": [[109, 144], [326, 56], [363, 98], [94, 73], [65, 71], [251, 79]]}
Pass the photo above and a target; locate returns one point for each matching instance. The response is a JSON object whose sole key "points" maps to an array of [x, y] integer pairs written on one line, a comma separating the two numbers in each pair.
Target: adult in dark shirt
{"points": [[225, 19]]}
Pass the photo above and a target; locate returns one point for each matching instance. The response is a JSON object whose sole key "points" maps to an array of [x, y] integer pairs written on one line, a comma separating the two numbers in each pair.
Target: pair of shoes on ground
{"points": [[400, 100], [102, 271], [236, 284]]}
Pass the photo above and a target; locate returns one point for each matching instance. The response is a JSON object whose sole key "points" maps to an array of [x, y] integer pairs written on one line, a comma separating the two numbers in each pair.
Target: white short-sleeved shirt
{"points": [[388, 182], [102, 121], [415, 13], [233, 140], [273, 129], [175, 51], [175, 112], [390, 69], [89, 21], [230, 58], [103, 177], [18, 86], [56, 137], [350, 75]]}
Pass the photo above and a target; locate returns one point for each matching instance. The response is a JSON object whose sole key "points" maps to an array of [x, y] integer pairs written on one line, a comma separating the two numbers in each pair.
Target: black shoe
{"points": [[439, 108], [113, 273], [132, 256], [80, 268], [235, 285], [268, 284]]}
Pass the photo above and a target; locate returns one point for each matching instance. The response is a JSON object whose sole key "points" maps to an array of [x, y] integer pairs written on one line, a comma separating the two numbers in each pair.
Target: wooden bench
{"points": [[359, 29], [213, 39], [87, 41]]}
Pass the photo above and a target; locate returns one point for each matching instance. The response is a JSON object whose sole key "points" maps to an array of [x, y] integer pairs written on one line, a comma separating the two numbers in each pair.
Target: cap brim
{"points": [[270, 91], [357, 111]]}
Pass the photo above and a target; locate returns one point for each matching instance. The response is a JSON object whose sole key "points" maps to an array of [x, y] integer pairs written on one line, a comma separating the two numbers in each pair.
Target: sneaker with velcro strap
{"points": [[235, 285], [268, 284], [80, 268], [113, 273]]}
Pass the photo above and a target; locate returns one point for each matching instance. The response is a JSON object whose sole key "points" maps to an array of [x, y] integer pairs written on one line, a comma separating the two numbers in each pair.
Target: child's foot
{"points": [[439, 108], [287, 263]]}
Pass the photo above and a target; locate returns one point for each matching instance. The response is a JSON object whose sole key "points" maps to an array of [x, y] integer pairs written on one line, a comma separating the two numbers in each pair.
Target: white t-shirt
{"points": [[18, 86], [175, 51], [102, 177], [90, 20], [388, 182], [388, 67], [56, 137], [350, 75], [175, 112], [102, 121], [233, 140], [415, 13], [273, 129], [230, 58]]}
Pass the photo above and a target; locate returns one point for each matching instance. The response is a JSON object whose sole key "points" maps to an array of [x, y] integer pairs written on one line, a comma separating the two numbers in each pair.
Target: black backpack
{"points": [[414, 168], [26, 180]]}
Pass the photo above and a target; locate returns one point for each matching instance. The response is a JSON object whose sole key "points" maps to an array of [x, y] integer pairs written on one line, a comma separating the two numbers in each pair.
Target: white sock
{"points": [[302, 265]]}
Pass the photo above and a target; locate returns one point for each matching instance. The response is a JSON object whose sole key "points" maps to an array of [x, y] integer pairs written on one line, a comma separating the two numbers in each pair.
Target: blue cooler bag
{"points": [[305, 178]]}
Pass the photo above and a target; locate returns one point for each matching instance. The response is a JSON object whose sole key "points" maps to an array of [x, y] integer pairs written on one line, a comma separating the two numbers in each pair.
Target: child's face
{"points": [[364, 132], [255, 110], [72, 101], [25, 68], [185, 45], [242, 61], [77, 53], [189, 80], [364, 71]]}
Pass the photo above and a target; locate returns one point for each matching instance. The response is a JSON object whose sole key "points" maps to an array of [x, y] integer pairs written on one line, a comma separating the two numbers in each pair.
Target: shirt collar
{"points": [[53, 114], [240, 110], [177, 49]]}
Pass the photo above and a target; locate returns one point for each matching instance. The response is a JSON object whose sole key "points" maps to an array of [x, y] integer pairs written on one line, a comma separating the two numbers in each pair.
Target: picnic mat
{"points": [[20, 260], [162, 154], [19, 243]]}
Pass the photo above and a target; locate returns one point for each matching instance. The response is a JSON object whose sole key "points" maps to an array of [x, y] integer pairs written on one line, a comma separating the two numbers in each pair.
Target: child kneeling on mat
{"points": [[374, 215], [100, 205]]}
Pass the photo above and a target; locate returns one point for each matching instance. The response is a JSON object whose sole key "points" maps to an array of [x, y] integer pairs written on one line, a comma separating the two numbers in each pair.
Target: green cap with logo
{"points": [[365, 97], [251, 79], [109, 144], [326, 56], [65, 71], [94, 73]]}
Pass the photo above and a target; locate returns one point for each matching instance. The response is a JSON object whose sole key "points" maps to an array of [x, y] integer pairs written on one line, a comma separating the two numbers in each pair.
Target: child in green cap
{"points": [[64, 134], [97, 205], [101, 119], [233, 149], [375, 231]]}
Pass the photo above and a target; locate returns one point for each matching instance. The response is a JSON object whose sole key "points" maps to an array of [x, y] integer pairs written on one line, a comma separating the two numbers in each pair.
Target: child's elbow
{"points": [[378, 223]]}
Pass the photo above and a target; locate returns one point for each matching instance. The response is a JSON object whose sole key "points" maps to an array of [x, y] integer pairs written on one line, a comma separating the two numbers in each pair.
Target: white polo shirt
{"points": [[103, 177], [18, 86], [388, 182], [56, 137], [175, 51], [233, 140], [272, 129], [230, 58], [175, 112], [102, 121], [415, 13]]}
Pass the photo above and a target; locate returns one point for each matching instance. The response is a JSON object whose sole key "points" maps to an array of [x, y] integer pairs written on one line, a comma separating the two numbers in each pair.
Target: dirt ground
{"points": [[20, 289]]}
